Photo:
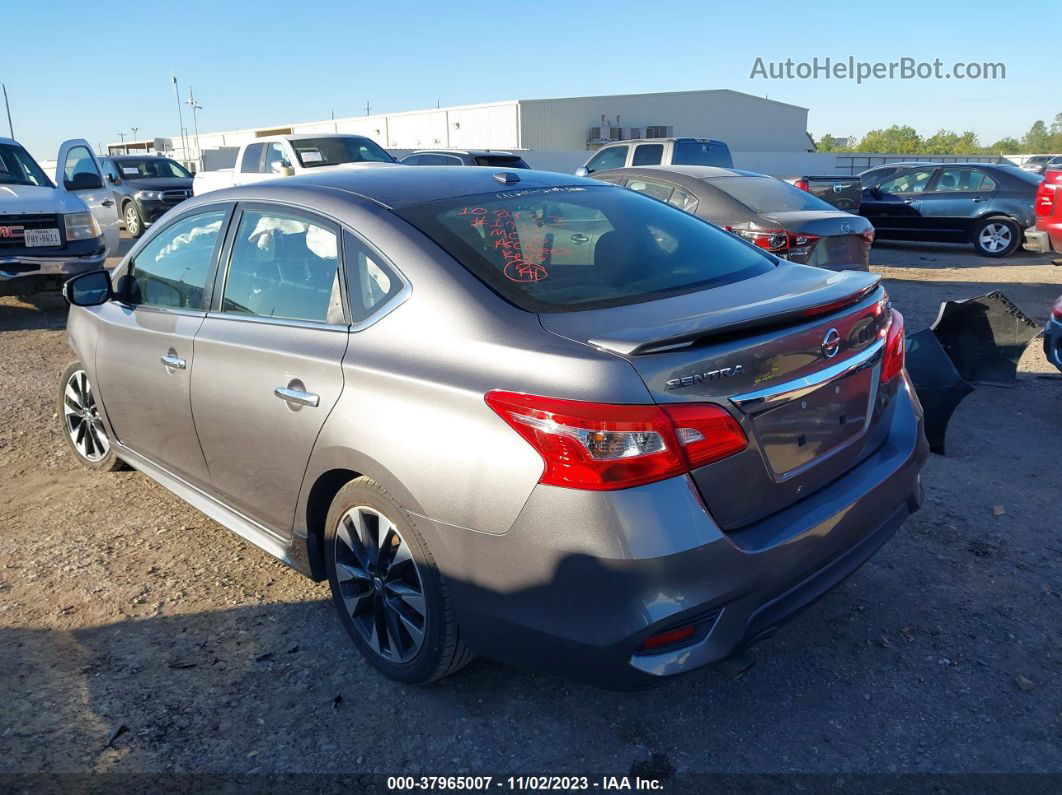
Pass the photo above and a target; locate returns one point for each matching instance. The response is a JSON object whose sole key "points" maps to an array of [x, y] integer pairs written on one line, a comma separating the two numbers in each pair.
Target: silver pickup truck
{"points": [[844, 193]]}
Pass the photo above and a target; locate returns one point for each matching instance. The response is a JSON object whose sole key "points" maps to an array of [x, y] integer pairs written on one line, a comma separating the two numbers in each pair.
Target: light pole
{"points": [[195, 125], [180, 117], [134, 129], [122, 136], [10, 127]]}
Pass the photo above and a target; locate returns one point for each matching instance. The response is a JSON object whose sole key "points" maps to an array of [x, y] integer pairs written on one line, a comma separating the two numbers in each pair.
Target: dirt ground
{"points": [[137, 635]]}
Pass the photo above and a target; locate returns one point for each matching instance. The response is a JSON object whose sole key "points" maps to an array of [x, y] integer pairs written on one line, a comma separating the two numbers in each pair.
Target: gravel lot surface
{"points": [[137, 635]]}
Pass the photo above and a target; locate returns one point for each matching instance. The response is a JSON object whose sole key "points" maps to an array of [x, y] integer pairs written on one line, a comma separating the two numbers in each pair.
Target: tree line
{"points": [[905, 140]]}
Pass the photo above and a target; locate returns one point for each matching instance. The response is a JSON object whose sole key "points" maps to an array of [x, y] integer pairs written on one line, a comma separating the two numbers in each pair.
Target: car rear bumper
{"points": [[1053, 342], [1044, 241], [583, 578]]}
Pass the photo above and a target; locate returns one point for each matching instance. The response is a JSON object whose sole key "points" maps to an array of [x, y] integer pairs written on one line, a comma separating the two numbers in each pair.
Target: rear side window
{"points": [[172, 268], [648, 155], [252, 159], [284, 266], [767, 194], [439, 160], [701, 153], [371, 282], [568, 248], [658, 190]]}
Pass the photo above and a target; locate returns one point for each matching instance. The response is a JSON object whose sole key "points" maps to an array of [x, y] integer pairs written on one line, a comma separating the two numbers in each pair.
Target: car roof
{"points": [[403, 186], [136, 157], [697, 172], [471, 152], [683, 139]]}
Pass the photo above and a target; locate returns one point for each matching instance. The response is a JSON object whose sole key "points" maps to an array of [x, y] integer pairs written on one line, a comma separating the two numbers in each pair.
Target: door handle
{"points": [[908, 201], [579, 238], [289, 395], [176, 362], [107, 202], [978, 199]]}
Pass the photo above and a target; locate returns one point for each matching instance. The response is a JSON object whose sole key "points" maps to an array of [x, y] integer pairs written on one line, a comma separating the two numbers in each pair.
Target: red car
{"points": [[1046, 236]]}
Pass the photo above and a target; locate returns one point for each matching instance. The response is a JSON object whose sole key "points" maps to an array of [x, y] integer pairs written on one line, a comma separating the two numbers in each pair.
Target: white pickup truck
{"points": [[287, 155], [52, 231]]}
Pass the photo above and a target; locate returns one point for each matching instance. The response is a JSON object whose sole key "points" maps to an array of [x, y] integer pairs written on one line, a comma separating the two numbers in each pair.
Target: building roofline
{"points": [[667, 94]]}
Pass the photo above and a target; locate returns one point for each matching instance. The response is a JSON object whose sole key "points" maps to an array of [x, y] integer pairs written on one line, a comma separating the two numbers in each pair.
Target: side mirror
{"points": [[283, 169], [875, 191], [89, 289], [113, 179], [582, 171], [83, 181]]}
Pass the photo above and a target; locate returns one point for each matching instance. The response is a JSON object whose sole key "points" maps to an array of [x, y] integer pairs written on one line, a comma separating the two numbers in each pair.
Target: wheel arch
{"points": [[988, 215], [329, 470]]}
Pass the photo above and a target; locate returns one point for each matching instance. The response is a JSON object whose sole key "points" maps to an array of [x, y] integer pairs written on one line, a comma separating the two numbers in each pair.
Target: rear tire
{"points": [[997, 237], [81, 424], [134, 222], [387, 588]]}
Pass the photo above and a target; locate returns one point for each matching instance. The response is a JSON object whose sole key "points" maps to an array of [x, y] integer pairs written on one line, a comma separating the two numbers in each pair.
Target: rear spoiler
{"points": [[777, 313]]}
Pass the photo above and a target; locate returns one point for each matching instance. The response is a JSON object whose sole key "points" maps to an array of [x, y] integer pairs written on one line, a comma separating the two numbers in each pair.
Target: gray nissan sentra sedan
{"points": [[527, 415]]}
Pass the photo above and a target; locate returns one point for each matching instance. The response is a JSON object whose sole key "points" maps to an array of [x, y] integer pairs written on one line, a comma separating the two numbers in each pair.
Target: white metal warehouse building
{"points": [[558, 129]]}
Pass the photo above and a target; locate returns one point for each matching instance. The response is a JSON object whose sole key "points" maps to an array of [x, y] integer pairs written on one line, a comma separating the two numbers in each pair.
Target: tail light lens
{"points": [[1045, 199], [670, 637], [1057, 311], [895, 348], [602, 446], [801, 183], [773, 240], [868, 236]]}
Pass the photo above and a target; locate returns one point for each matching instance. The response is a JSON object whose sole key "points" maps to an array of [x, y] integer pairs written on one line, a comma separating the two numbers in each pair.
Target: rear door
{"points": [[79, 172], [894, 206], [954, 199], [144, 353], [269, 358]]}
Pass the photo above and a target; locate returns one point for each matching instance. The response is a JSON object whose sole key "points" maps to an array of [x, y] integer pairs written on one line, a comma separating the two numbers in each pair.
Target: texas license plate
{"points": [[42, 237]]}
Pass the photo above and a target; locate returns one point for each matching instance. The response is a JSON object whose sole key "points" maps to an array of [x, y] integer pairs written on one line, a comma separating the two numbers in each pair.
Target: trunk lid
{"points": [[794, 355], [840, 240]]}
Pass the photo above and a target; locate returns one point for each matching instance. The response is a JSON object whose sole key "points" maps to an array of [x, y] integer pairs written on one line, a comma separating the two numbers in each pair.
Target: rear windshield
{"points": [[18, 168], [767, 194], [701, 153], [506, 161], [314, 152], [568, 248]]}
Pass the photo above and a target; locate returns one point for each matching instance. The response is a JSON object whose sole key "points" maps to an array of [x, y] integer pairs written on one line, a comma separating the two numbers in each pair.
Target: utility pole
{"points": [[195, 125], [180, 117], [10, 128], [368, 107]]}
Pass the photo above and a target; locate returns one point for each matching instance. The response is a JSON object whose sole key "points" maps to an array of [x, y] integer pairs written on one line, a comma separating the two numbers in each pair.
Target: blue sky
{"points": [[260, 63]]}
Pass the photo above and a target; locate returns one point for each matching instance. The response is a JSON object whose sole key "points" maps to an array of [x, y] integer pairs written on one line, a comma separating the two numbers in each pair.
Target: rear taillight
{"points": [[868, 236], [892, 364], [1057, 311], [801, 183], [1045, 199], [603, 446], [774, 240]]}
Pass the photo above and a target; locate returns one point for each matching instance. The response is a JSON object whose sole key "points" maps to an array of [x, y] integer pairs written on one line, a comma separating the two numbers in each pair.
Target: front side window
{"points": [[172, 268], [275, 158], [648, 155], [79, 165], [572, 247], [609, 157], [907, 182], [18, 168], [252, 159], [284, 266], [314, 152]]}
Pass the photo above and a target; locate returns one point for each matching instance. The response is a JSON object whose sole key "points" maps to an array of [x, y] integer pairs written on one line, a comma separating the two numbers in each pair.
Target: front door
{"points": [[955, 198], [268, 359], [144, 354], [894, 205], [79, 172]]}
